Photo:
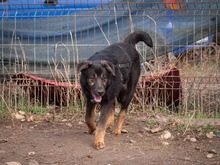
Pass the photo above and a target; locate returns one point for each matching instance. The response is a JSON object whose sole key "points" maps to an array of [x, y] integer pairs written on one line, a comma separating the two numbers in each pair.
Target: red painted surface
{"points": [[163, 88]]}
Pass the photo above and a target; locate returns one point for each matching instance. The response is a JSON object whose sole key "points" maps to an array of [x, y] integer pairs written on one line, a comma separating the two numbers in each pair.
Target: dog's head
{"points": [[95, 75]]}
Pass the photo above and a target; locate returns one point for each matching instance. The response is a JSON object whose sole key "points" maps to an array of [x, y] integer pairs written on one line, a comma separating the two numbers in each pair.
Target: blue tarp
{"points": [[38, 33]]}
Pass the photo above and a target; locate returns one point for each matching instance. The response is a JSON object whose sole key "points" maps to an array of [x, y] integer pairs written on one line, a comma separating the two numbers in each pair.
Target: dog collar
{"points": [[126, 65]]}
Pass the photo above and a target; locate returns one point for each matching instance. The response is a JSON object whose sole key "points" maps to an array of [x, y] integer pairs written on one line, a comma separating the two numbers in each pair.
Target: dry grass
{"points": [[201, 79], [200, 85]]}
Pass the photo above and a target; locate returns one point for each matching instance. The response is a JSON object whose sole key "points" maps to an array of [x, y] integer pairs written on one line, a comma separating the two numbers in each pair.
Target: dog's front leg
{"points": [[89, 118], [104, 121]]}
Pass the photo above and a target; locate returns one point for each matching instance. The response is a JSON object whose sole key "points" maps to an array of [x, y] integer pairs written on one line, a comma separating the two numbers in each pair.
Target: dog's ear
{"points": [[109, 66], [83, 65]]}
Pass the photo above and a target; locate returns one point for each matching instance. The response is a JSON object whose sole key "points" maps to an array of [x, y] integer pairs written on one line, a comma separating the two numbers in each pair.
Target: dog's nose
{"points": [[100, 92]]}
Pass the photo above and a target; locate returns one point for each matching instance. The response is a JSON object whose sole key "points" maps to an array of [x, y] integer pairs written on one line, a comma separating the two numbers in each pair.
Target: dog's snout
{"points": [[100, 92]]}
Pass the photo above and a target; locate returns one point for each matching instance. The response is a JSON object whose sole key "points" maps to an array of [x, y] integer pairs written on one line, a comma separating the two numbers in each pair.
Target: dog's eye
{"points": [[104, 80], [91, 81]]}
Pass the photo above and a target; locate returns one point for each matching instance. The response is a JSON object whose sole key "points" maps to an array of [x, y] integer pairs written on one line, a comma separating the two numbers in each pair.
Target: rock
{"points": [[33, 162], [165, 143], [3, 140], [49, 117], [187, 158], [124, 131], [155, 130], [64, 120], [146, 128], [12, 163], [188, 137], [80, 122], [30, 118], [166, 135], [210, 135], [22, 120], [21, 112], [193, 139], [18, 116], [198, 148], [31, 153], [69, 124], [209, 156], [132, 141], [213, 151]]}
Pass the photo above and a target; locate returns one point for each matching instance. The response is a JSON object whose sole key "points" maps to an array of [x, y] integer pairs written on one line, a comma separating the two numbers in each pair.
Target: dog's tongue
{"points": [[97, 99]]}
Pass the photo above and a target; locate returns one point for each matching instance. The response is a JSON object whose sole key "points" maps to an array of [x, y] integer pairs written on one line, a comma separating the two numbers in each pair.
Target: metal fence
{"points": [[42, 41]]}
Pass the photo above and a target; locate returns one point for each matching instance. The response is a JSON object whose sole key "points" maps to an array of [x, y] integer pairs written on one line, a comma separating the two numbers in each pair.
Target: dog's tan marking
{"points": [[99, 138], [90, 121], [111, 118], [100, 130], [121, 118]]}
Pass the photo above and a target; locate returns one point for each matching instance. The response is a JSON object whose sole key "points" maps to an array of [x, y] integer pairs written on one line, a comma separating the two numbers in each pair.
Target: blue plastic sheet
{"points": [[48, 33]]}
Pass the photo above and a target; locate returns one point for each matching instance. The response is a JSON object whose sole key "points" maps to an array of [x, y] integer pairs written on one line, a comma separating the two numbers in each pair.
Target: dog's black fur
{"points": [[109, 74]]}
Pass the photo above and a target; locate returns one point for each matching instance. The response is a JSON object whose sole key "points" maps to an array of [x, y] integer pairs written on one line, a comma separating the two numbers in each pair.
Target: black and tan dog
{"points": [[109, 74]]}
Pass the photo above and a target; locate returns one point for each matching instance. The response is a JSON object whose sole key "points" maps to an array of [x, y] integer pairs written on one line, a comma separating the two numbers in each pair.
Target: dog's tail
{"points": [[138, 36]]}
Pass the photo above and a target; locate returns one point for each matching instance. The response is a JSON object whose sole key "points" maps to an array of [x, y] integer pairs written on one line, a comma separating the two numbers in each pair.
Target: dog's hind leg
{"points": [[121, 118], [89, 118], [124, 99], [111, 117]]}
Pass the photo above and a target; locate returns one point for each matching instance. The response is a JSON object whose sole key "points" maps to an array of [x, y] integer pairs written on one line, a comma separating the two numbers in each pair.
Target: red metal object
{"points": [[47, 91], [163, 88]]}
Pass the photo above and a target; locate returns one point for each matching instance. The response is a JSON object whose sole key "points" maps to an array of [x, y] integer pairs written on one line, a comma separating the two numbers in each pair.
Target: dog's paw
{"points": [[99, 144], [91, 130], [117, 131]]}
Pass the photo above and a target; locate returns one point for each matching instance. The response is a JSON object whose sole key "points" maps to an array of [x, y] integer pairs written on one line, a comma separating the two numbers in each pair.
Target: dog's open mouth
{"points": [[97, 99]]}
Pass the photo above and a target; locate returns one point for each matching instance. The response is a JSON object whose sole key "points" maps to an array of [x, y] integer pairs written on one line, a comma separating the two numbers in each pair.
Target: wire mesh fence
{"points": [[42, 41]]}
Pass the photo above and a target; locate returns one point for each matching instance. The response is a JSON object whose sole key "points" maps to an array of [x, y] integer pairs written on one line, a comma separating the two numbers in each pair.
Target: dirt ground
{"points": [[68, 143]]}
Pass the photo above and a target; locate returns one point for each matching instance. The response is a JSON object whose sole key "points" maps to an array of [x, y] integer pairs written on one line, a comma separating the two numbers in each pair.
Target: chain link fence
{"points": [[42, 42]]}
